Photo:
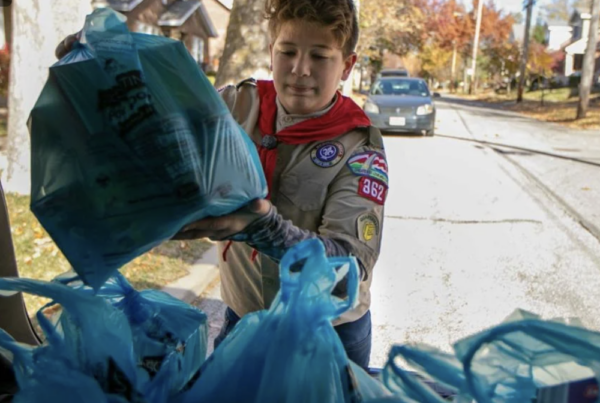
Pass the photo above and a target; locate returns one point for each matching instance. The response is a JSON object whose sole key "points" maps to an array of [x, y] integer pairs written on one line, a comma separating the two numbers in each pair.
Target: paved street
{"points": [[470, 236]]}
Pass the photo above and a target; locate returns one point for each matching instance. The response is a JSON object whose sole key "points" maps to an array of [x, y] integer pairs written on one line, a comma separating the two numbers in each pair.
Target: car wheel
{"points": [[430, 133]]}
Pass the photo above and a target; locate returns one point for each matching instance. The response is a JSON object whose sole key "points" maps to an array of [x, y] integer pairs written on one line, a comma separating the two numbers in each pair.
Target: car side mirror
{"points": [[437, 95]]}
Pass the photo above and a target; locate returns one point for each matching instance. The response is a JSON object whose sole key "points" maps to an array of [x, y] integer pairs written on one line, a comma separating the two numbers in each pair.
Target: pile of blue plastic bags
{"points": [[130, 142], [117, 344]]}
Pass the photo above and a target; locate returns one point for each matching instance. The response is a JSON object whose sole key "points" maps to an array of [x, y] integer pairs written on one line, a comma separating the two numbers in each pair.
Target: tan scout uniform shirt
{"points": [[324, 200]]}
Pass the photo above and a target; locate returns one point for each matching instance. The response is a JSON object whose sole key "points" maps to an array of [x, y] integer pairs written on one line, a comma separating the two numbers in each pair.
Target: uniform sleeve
{"points": [[352, 220], [273, 236], [354, 209]]}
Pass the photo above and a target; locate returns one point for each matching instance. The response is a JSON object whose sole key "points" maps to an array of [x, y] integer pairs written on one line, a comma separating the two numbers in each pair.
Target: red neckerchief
{"points": [[343, 117]]}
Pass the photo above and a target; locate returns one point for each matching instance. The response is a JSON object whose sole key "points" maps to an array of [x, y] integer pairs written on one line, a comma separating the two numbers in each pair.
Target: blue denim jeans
{"points": [[355, 336]]}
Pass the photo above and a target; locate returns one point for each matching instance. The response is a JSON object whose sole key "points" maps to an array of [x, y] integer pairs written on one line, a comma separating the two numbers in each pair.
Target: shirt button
{"points": [[287, 119]]}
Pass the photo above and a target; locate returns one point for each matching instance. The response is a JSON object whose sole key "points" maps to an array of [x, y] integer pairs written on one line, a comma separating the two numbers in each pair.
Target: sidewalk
{"points": [[575, 185], [203, 273]]}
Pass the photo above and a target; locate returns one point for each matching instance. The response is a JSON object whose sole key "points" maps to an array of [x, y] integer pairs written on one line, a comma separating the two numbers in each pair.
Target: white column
{"points": [[569, 59]]}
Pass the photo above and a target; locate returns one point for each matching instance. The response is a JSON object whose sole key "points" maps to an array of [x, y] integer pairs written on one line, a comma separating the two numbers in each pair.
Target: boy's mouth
{"points": [[299, 89]]}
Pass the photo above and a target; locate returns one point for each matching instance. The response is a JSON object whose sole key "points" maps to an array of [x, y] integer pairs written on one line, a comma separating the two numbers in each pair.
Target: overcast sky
{"points": [[517, 6]]}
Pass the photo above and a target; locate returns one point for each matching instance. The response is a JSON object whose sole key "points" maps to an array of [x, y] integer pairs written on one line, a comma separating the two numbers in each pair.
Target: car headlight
{"points": [[425, 109], [370, 107]]}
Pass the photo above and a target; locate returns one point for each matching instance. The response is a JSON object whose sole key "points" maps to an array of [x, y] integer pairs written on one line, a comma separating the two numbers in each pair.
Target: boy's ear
{"points": [[349, 63]]}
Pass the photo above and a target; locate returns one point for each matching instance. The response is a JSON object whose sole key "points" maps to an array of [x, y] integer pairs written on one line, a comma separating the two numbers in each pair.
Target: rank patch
{"points": [[327, 154]]}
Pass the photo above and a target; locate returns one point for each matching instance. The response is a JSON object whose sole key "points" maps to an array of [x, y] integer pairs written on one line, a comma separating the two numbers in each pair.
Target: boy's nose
{"points": [[301, 67]]}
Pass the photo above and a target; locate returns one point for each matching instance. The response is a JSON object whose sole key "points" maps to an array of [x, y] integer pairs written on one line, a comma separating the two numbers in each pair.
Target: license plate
{"points": [[397, 121]]}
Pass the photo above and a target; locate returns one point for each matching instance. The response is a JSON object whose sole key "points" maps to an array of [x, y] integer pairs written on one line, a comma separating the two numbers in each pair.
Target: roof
{"points": [[181, 10], [578, 47], [119, 5], [226, 3], [557, 23]]}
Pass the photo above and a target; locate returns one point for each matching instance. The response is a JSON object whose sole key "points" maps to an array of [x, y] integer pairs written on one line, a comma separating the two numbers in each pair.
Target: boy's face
{"points": [[308, 65]]}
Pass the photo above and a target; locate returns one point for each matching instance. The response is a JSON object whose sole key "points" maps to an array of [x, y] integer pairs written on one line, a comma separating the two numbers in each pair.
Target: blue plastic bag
{"points": [[130, 142], [43, 376], [439, 369], [507, 363], [510, 362], [169, 336], [89, 346], [291, 352]]}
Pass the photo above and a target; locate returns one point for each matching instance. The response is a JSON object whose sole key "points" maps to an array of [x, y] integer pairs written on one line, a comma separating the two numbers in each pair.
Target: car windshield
{"points": [[399, 86]]}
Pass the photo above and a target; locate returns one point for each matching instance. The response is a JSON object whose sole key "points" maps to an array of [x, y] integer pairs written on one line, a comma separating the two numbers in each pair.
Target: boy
{"points": [[325, 166]]}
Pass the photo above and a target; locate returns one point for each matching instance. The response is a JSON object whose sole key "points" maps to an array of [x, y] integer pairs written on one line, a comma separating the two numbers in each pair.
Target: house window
{"points": [[197, 50], [578, 63], [147, 29]]}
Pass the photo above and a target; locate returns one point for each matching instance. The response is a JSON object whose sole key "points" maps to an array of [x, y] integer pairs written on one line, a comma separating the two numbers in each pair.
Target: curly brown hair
{"points": [[340, 15]]}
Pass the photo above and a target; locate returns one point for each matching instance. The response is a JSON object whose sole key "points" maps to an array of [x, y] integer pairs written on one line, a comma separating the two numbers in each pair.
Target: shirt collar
{"points": [[285, 119]]}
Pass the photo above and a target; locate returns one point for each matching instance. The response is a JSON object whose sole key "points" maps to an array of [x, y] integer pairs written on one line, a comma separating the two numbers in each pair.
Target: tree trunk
{"points": [[525, 55], [246, 52], [585, 86], [37, 27]]}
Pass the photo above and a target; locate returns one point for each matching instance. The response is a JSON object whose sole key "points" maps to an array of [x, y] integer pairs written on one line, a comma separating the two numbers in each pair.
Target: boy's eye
{"points": [[320, 57], [288, 52]]}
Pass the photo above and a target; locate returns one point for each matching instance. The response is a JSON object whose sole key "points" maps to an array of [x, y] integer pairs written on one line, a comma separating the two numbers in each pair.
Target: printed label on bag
{"points": [[128, 103]]}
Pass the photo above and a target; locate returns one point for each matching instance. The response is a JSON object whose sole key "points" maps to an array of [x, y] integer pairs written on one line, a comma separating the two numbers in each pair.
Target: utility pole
{"points": [[452, 75], [525, 55], [587, 75], [455, 14], [475, 46]]}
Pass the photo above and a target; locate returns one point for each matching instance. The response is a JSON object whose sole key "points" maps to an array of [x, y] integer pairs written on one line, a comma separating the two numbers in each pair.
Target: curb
{"points": [[573, 212], [202, 274], [591, 227]]}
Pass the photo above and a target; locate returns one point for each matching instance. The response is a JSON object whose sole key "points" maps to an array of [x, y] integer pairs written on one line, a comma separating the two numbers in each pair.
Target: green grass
{"points": [[555, 95], [39, 258]]}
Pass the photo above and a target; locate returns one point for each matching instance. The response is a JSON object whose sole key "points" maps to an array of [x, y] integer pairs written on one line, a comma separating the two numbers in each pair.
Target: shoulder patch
{"points": [[250, 81], [368, 227], [328, 154], [371, 164]]}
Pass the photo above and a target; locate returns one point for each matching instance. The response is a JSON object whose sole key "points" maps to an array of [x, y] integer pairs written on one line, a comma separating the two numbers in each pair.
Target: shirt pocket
{"points": [[306, 193]]}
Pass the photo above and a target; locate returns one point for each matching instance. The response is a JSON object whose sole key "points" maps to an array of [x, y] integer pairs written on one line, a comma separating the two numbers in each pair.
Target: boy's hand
{"points": [[220, 228], [66, 45]]}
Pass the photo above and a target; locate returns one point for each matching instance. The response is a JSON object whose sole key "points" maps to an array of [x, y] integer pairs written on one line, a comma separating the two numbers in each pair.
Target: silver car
{"points": [[401, 104]]}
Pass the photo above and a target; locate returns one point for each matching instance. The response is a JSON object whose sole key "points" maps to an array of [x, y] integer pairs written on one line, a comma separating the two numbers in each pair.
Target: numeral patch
{"points": [[372, 189]]}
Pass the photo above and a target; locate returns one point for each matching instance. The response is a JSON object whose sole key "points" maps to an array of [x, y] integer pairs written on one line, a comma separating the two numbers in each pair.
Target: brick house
{"points": [[219, 11], [185, 20]]}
